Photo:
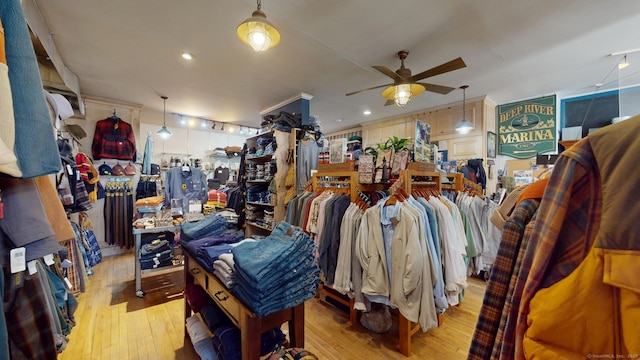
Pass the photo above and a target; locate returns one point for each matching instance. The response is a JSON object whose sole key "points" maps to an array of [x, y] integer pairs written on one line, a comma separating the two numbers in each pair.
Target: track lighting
{"points": [[214, 126], [222, 128], [241, 130]]}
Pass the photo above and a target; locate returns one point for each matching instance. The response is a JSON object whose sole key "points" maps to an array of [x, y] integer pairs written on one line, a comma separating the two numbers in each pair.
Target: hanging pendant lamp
{"points": [[464, 126], [164, 133], [258, 32]]}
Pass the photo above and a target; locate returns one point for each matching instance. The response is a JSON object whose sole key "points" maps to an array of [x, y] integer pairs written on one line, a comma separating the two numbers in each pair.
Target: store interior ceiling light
{"points": [[164, 133], [623, 63], [258, 32], [213, 127], [186, 55], [464, 126], [222, 128]]}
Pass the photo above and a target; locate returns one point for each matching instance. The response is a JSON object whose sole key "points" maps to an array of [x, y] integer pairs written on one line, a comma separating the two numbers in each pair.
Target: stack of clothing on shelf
{"points": [[156, 251], [259, 193], [278, 272], [224, 269], [208, 249], [212, 224], [212, 333]]}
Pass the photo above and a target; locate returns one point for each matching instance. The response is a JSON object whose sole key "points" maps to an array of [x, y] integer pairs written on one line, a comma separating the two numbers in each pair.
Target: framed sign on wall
{"points": [[491, 144]]}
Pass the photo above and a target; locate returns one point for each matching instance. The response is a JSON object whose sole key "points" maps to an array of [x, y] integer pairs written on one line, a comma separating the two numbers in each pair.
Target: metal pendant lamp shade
{"points": [[164, 133], [258, 32], [464, 126]]}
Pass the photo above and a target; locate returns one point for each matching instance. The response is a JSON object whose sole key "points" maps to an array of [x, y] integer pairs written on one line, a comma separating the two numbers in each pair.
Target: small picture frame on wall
{"points": [[491, 144]]}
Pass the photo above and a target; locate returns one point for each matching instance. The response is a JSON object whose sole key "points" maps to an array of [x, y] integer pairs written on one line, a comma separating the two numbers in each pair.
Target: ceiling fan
{"points": [[405, 87]]}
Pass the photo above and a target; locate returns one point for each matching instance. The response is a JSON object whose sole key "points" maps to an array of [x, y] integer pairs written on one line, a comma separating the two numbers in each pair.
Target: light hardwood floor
{"points": [[112, 323]]}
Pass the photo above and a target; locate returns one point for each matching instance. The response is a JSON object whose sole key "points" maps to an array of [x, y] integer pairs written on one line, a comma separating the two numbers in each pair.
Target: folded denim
{"points": [[151, 247], [155, 265], [158, 254], [212, 224], [293, 298], [280, 265], [151, 255], [259, 258], [277, 278], [256, 298]]}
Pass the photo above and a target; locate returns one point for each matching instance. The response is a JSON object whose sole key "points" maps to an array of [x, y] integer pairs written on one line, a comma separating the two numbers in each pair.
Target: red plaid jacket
{"points": [[113, 139]]}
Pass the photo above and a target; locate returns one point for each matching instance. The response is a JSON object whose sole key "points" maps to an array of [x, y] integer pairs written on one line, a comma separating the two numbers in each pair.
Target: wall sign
{"points": [[527, 128]]}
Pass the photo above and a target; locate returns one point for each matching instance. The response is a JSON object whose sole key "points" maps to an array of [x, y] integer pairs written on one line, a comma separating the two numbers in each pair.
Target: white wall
{"points": [[188, 143]]}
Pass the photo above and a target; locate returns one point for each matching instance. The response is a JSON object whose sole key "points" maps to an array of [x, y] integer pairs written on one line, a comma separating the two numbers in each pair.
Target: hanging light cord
{"points": [[259, 4]]}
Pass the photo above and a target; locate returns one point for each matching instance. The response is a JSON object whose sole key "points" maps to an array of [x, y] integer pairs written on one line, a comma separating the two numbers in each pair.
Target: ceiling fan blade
{"points": [[440, 89], [371, 88], [440, 69], [389, 102], [390, 73]]}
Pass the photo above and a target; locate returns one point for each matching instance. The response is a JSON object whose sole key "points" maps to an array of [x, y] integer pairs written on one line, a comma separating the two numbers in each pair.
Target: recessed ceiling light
{"points": [[339, 120], [187, 55], [367, 112]]}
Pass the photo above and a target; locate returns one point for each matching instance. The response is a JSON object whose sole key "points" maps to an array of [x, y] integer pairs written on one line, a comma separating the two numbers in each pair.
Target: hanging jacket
{"points": [[113, 139], [481, 176], [582, 295]]}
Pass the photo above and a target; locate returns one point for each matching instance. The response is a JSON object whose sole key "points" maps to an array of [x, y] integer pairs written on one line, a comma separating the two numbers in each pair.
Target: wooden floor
{"points": [[112, 323]]}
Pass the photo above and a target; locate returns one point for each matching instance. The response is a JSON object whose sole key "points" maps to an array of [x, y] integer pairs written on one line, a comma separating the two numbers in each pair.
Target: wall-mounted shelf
{"points": [[259, 203], [263, 227], [258, 158]]}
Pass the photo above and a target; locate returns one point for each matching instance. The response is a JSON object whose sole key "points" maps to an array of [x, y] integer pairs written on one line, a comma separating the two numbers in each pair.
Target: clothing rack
{"points": [[421, 178], [324, 180], [335, 181]]}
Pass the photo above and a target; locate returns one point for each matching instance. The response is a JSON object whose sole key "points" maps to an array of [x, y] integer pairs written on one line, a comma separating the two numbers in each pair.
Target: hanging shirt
{"points": [[185, 185]]}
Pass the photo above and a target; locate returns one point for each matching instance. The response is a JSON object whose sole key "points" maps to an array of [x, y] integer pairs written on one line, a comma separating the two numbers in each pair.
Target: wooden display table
{"points": [[138, 239], [251, 326]]}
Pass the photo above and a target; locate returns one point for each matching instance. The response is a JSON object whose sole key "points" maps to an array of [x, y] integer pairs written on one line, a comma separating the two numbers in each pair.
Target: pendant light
{"points": [[464, 126], [164, 133], [258, 32], [623, 64]]}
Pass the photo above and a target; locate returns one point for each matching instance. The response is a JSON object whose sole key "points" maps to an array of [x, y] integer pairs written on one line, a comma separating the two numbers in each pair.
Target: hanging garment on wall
{"points": [[35, 145], [148, 156], [118, 212], [113, 139], [185, 183], [307, 160]]}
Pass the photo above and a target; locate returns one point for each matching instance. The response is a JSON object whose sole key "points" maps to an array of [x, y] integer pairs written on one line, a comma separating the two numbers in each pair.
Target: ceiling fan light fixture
{"points": [[402, 93], [164, 133], [464, 126], [258, 32]]}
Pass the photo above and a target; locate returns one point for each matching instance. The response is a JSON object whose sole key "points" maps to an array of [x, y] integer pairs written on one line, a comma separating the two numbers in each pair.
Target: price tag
{"points": [[18, 258], [48, 259], [32, 267], [66, 281]]}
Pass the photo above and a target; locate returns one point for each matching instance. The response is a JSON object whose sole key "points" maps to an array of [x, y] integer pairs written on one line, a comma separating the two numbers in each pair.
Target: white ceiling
{"points": [[514, 49]]}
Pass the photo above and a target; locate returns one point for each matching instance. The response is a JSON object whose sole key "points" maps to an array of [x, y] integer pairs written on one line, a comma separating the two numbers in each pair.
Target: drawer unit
{"points": [[222, 296]]}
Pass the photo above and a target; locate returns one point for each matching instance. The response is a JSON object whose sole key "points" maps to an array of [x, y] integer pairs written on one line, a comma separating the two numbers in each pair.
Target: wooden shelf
{"points": [[259, 181], [259, 203], [263, 227], [255, 137], [258, 158]]}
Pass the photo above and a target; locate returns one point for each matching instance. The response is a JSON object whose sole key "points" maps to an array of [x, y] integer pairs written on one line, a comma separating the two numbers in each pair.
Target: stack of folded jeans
{"points": [[277, 272], [155, 254], [212, 224], [207, 249]]}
